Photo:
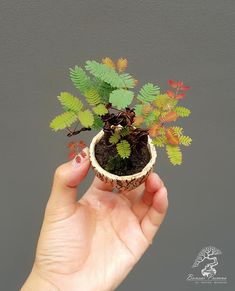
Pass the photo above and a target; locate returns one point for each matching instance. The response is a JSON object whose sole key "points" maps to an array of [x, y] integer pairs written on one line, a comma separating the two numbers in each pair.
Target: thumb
{"points": [[66, 179]]}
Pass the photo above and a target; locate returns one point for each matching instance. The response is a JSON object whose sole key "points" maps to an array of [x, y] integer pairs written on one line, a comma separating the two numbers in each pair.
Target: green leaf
{"points": [[80, 79], [109, 75], [92, 96], [182, 111], [164, 102], [160, 141], [178, 130], [138, 109], [121, 98], [124, 131], [148, 93], [86, 118], [150, 118], [104, 89], [114, 138], [98, 123], [124, 149], [174, 154], [185, 140], [70, 102], [100, 109], [63, 120]]}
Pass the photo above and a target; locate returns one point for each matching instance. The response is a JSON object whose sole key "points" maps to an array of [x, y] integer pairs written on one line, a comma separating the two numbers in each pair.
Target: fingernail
{"points": [[80, 158]]}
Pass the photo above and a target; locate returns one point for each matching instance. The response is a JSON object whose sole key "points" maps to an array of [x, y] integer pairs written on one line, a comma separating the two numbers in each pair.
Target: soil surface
{"points": [[122, 167]]}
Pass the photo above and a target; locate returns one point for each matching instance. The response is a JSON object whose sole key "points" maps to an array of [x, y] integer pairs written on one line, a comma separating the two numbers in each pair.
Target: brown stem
{"points": [[71, 133]]}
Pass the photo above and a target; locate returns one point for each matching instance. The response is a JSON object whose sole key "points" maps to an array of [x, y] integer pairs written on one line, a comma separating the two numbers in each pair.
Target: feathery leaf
{"points": [[114, 138], [148, 92], [63, 120], [86, 118], [100, 109], [70, 102], [124, 149], [185, 140], [80, 79], [121, 98], [182, 111], [109, 75], [174, 154]]}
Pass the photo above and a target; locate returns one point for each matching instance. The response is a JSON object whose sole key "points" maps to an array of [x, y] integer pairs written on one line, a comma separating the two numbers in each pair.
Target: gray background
{"points": [[184, 40]]}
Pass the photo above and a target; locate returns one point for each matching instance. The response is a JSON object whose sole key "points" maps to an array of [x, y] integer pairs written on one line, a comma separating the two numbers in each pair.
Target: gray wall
{"points": [[179, 39]]}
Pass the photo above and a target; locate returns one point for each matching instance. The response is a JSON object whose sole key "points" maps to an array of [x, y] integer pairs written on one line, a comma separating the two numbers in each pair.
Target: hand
{"points": [[93, 243]]}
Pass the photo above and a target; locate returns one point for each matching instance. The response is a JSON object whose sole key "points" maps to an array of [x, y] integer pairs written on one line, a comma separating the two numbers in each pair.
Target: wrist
{"points": [[35, 282]]}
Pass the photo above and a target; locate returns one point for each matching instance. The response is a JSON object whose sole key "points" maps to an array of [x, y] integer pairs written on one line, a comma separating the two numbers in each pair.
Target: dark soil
{"points": [[121, 167]]}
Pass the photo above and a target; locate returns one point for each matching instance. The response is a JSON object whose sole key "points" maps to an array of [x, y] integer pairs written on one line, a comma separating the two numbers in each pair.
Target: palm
{"points": [[97, 240]]}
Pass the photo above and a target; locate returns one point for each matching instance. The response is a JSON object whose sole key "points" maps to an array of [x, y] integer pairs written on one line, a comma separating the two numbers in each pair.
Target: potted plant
{"points": [[130, 124]]}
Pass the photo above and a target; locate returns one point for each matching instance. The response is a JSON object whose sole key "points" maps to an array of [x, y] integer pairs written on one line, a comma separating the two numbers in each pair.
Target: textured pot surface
{"points": [[121, 183]]}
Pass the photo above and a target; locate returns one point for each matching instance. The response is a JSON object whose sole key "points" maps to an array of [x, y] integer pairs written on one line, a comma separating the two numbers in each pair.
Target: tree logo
{"points": [[207, 259]]}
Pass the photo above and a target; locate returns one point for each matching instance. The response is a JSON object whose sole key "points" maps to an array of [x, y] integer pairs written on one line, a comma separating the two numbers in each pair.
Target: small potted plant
{"points": [[130, 124]]}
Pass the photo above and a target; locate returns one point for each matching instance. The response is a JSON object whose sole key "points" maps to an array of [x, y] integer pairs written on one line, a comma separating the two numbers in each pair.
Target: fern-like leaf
{"points": [[164, 102], [114, 138], [185, 140], [109, 75], [63, 120], [124, 149], [178, 130], [70, 102], [121, 98], [174, 154], [98, 123], [86, 118], [160, 141], [80, 79], [100, 109], [124, 131], [92, 96], [148, 93], [104, 89], [182, 111]]}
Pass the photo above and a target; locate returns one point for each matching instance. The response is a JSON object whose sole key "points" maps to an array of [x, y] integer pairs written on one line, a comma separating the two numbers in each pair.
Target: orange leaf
{"points": [[72, 145], [154, 129], [170, 93], [108, 62], [173, 84], [138, 120], [180, 96], [168, 117], [122, 64], [172, 137], [81, 144]]}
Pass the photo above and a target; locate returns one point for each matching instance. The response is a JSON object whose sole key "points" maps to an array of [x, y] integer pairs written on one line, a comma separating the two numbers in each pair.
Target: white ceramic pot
{"points": [[121, 183]]}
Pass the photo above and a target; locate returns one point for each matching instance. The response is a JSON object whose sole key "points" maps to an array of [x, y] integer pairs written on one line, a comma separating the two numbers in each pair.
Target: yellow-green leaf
{"points": [[100, 109], [86, 118]]}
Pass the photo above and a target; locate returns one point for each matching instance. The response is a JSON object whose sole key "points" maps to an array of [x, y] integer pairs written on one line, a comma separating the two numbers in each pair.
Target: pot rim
{"points": [[102, 171]]}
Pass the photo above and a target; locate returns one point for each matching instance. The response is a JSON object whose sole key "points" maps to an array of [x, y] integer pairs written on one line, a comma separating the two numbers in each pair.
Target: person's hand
{"points": [[92, 244]]}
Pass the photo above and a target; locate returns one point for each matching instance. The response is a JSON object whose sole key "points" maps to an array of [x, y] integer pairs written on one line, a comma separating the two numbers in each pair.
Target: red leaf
{"points": [[72, 155], [179, 84], [170, 93], [172, 137], [168, 117], [172, 83], [180, 96], [185, 88]]}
